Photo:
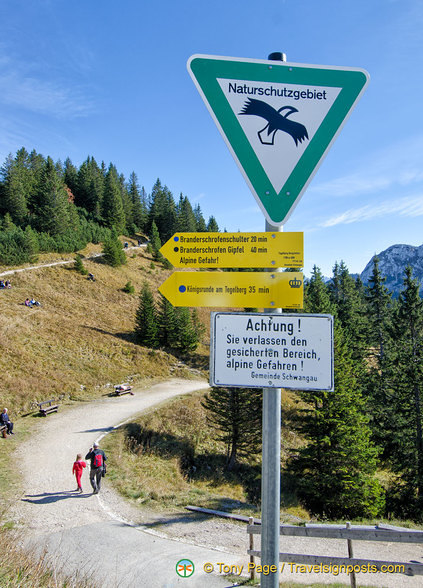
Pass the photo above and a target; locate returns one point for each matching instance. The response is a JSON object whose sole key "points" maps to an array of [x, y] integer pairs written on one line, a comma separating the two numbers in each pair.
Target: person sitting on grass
{"points": [[28, 303]]}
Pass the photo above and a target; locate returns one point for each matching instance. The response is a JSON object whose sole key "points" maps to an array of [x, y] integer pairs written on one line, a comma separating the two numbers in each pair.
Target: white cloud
{"points": [[407, 207], [41, 96], [397, 165]]}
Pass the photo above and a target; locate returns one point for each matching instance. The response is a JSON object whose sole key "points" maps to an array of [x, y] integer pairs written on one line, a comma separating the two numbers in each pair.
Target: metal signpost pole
{"points": [[271, 458]]}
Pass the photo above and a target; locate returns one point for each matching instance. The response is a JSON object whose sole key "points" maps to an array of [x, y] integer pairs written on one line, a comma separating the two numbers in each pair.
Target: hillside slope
{"points": [[80, 341]]}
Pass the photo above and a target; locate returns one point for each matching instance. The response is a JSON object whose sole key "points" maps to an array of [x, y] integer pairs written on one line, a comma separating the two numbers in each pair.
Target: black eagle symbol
{"points": [[275, 121]]}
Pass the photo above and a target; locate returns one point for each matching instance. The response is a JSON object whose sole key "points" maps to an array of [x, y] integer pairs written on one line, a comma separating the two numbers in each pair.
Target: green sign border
{"points": [[205, 71]]}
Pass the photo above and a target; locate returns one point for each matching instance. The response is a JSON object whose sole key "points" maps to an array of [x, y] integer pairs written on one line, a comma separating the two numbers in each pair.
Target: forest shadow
{"points": [[128, 337], [206, 467]]}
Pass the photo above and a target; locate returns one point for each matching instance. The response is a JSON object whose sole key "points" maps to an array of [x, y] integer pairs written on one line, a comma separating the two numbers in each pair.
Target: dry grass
{"points": [[151, 460], [26, 569], [169, 458], [81, 338]]}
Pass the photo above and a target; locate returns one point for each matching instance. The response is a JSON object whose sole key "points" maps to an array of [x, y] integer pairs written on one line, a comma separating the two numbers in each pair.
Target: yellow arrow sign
{"points": [[234, 289], [202, 250]]}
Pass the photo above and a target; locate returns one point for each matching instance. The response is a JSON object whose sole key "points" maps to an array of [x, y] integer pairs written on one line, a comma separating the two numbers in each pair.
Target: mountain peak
{"points": [[392, 264]]}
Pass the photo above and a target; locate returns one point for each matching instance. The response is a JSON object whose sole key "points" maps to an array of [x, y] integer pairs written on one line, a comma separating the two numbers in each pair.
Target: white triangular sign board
{"points": [[278, 119]]}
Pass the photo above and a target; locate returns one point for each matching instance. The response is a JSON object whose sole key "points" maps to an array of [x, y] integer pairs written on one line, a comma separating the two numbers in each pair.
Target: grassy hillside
{"points": [[80, 341]]}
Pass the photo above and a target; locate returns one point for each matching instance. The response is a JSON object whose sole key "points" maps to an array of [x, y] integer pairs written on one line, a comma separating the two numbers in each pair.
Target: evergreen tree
{"points": [[236, 415], [112, 206], [113, 253], [316, 295], [186, 335], [212, 226], [167, 324], [335, 470], [79, 266], [349, 307], [185, 220], [70, 176], [89, 187], [53, 214], [127, 206], [37, 165], [17, 187], [407, 375], [162, 212], [31, 245], [146, 325], [8, 224], [139, 211], [378, 385], [155, 242], [199, 219]]}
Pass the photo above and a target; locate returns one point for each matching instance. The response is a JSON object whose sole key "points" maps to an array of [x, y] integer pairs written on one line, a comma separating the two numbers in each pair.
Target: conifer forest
{"points": [[362, 455]]}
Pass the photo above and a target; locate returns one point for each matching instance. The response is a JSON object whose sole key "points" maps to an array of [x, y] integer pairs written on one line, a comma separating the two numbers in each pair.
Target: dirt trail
{"points": [[121, 546]]}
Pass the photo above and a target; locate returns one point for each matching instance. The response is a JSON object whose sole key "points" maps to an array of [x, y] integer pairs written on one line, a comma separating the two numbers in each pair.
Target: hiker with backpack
{"points": [[98, 463]]}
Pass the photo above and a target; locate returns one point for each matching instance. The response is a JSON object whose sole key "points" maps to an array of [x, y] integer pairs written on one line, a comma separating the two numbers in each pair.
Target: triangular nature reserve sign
{"points": [[278, 119]]}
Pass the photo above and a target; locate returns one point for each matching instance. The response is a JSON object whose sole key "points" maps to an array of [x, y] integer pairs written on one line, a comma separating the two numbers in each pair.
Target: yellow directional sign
{"points": [[208, 250], [234, 289]]}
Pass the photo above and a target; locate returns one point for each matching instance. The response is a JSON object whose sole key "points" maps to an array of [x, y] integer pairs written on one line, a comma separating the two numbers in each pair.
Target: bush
{"points": [[128, 288], [79, 266]]}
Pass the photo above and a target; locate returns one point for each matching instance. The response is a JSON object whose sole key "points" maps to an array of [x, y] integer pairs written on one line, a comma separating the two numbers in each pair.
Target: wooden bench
{"points": [[122, 389], [3, 431], [47, 407], [348, 532]]}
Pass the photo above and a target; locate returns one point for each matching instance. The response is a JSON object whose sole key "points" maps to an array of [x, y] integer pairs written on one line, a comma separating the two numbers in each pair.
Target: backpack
{"points": [[98, 460]]}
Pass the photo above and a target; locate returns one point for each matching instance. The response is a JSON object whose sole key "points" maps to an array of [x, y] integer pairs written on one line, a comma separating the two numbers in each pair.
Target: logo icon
{"points": [[295, 283], [275, 121], [185, 568]]}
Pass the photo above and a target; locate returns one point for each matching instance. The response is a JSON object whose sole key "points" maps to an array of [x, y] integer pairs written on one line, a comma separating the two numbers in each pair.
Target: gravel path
{"points": [[120, 546]]}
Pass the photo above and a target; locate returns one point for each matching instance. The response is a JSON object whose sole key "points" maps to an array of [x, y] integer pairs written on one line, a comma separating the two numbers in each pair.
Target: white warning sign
{"points": [[266, 350]]}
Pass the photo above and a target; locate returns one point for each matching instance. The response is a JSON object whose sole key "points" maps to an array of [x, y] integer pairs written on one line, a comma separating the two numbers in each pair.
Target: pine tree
{"points": [[186, 335], [17, 187], [212, 226], [53, 214], [349, 307], [112, 205], [199, 219], [127, 206], [378, 384], [235, 413], [70, 176], [185, 219], [31, 245], [167, 326], [8, 224], [155, 242], [113, 253], [316, 295], [79, 266], [407, 375], [89, 187], [37, 165], [146, 324], [139, 211], [335, 470], [162, 212]]}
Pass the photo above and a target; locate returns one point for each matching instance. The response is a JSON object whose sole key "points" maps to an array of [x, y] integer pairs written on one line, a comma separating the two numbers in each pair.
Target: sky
{"points": [[109, 80]]}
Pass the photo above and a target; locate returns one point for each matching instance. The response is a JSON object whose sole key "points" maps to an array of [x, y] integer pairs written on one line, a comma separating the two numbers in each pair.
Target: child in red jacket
{"points": [[77, 469]]}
